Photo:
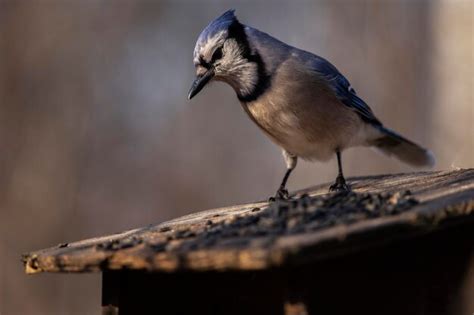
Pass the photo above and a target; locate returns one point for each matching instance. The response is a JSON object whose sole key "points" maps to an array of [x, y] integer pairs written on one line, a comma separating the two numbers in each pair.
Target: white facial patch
{"points": [[237, 70], [232, 68], [206, 48]]}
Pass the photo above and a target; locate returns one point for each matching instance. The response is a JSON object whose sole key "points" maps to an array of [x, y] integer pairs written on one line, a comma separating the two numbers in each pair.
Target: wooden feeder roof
{"points": [[314, 225]]}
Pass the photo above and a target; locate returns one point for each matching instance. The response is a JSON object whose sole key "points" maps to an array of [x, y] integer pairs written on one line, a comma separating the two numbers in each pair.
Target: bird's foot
{"points": [[281, 194], [339, 185]]}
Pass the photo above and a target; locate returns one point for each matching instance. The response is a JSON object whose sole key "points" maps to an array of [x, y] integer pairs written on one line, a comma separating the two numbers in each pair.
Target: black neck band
{"points": [[237, 32]]}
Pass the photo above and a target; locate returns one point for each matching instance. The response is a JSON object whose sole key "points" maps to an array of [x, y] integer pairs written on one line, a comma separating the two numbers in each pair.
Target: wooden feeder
{"points": [[399, 244]]}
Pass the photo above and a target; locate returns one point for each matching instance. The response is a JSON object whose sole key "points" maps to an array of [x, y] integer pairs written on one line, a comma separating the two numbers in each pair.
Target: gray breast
{"points": [[302, 115]]}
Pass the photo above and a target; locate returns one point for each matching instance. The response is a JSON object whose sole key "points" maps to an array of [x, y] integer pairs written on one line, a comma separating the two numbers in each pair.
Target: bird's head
{"points": [[223, 53]]}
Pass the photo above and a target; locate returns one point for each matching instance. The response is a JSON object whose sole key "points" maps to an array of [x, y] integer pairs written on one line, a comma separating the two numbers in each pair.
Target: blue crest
{"points": [[222, 23]]}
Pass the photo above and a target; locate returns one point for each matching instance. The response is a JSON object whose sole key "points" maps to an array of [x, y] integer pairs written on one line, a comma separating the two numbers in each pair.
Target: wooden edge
{"points": [[421, 219], [424, 218]]}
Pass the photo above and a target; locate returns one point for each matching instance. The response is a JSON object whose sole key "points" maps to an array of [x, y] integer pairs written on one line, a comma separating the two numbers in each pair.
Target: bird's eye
{"points": [[217, 54]]}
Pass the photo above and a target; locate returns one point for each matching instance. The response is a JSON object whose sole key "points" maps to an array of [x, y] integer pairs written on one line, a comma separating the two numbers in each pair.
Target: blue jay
{"points": [[298, 99]]}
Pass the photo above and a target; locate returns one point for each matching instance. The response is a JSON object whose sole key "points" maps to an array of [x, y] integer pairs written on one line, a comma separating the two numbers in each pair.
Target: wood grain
{"points": [[300, 231]]}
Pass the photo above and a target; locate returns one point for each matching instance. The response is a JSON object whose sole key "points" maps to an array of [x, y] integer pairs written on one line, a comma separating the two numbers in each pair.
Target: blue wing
{"points": [[341, 86]]}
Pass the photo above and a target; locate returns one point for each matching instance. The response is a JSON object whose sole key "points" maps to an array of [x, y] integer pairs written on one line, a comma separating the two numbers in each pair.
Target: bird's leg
{"points": [[340, 184], [282, 192], [290, 159]]}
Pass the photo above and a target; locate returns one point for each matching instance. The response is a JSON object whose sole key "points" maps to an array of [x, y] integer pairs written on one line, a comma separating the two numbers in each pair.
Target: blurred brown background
{"points": [[97, 136]]}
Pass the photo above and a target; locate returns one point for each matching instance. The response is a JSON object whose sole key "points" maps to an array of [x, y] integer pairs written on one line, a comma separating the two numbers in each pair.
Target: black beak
{"points": [[200, 82]]}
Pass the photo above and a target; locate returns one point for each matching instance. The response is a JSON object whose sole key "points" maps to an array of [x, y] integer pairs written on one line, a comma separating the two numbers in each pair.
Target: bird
{"points": [[298, 99]]}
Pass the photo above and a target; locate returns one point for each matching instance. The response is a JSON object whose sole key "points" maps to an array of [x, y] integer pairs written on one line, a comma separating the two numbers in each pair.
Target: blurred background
{"points": [[97, 135]]}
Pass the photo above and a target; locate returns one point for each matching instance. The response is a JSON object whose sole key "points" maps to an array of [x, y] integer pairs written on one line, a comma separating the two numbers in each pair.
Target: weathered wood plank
{"points": [[423, 275], [256, 236]]}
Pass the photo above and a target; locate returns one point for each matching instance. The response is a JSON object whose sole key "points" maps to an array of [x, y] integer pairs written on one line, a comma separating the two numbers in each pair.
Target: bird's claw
{"points": [[339, 185], [281, 194]]}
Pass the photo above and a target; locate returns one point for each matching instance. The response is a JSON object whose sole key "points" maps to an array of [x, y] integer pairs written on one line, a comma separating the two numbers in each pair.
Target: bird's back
{"points": [[299, 110]]}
